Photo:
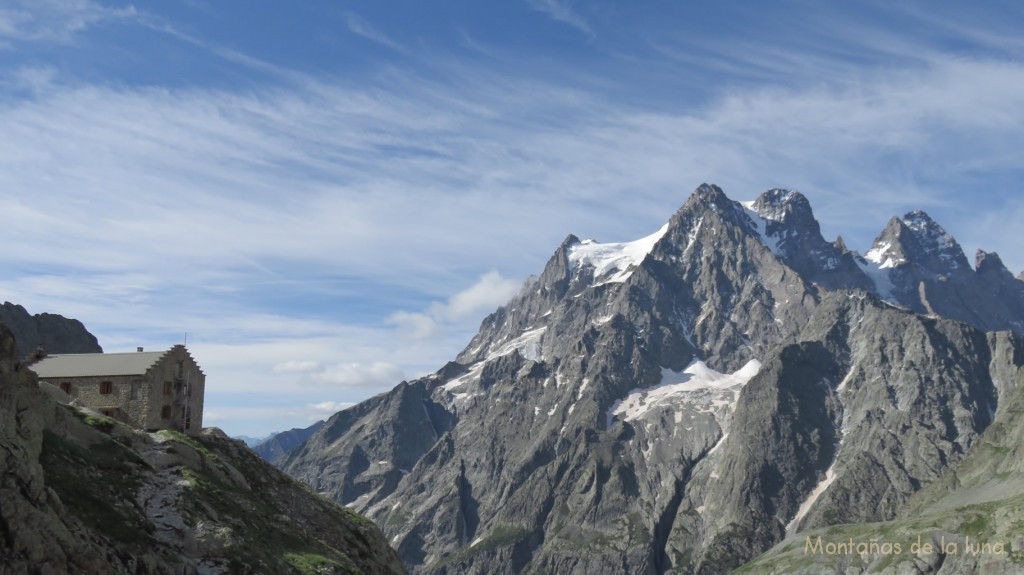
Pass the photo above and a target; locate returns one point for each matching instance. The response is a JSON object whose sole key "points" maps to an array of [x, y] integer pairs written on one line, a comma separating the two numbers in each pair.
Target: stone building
{"points": [[149, 390]]}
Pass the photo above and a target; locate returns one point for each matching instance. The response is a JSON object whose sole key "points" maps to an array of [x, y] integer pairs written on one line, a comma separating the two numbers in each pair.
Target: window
{"points": [[167, 389], [106, 387], [136, 386], [165, 413], [65, 386]]}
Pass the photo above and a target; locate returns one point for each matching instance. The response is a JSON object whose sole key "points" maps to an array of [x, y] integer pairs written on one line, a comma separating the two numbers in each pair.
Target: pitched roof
{"points": [[96, 364]]}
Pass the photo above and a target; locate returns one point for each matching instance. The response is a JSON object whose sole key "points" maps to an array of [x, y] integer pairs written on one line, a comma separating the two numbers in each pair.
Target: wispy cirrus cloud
{"points": [[561, 11], [54, 20], [293, 229], [361, 27]]}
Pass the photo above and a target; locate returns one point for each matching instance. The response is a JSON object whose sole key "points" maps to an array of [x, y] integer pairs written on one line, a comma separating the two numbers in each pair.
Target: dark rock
{"points": [[54, 333]]}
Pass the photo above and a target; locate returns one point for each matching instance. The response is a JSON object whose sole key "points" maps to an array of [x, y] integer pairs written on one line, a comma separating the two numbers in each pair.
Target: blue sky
{"points": [[328, 198]]}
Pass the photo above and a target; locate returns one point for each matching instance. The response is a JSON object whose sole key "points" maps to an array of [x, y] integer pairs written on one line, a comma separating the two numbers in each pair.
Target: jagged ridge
{"points": [[519, 457]]}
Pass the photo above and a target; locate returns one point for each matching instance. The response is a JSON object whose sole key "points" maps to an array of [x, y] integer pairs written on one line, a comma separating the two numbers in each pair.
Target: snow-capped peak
{"points": [[613, 262], [933, 238]]}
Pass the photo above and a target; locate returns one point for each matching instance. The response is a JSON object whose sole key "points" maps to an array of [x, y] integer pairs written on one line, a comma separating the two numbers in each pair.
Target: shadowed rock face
{"points": [[275, 446], [680, 403], [80, 493], [57, 334]]}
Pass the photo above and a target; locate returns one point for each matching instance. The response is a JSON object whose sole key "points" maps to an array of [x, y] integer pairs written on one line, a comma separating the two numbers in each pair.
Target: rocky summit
{"points": [[689, 401], [84, 494], [52, 332]]}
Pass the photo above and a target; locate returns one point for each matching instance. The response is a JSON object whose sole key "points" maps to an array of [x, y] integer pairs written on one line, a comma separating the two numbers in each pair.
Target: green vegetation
{"points": [[397, 517], [267, 543], [100, 422], [98, 485], [313, 564], [191, 442], [976, 527]]}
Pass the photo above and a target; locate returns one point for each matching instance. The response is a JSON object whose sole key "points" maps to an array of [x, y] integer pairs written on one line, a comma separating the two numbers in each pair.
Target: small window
{"points": [[165, 413], [167, 389], [65, 386], [106, 387], [136, 386]]}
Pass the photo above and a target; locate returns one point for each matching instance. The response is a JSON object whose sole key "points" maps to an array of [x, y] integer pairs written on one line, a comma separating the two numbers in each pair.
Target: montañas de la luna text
{"points": [[819, 546]]}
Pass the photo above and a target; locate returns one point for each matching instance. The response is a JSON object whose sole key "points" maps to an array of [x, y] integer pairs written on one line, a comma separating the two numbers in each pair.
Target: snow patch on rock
{"points": [[613, 262]]}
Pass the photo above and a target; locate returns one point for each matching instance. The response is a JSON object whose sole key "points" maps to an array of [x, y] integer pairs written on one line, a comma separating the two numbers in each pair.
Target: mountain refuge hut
{"points": [[149, 390]]}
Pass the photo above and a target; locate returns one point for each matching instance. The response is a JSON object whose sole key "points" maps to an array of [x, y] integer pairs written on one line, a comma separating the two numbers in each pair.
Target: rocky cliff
{"points": [[275, 446], [55, 333], [83, 494], [684, 402], [967, 522]]}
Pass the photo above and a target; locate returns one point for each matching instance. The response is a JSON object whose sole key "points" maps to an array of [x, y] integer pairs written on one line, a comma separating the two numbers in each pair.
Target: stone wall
{"points": [[143, 400], [132, 405]]}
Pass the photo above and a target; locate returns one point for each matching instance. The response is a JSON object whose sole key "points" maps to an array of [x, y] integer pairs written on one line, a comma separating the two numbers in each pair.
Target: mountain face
{"points": [[84, 494], [915, 263], [971, 516], [682, 403], [55, 333], [275, 446]]}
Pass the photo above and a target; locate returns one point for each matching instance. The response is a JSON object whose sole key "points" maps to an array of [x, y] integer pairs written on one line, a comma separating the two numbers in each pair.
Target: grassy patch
{"points": [[977, 527], [100, 422], [397, 517], [313, 564], [266, 544], [97, 485], [191, 442]]}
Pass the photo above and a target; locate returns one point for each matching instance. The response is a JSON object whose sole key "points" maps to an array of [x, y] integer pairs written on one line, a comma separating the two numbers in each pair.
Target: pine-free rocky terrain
{"points": [[83, 494], [733, 392]]}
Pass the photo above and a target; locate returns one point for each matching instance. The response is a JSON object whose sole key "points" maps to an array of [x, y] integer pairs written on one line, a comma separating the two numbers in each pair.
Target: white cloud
{"points": [[361, 27], [149, 212], [560, 11], [326, 409], [414, 325], [260, 421], [34, 79], [298, 367], [374, 375], [489, 292], [54, 20]]}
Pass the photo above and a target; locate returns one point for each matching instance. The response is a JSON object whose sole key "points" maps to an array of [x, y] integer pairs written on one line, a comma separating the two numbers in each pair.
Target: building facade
{"points": [[148, 390]]}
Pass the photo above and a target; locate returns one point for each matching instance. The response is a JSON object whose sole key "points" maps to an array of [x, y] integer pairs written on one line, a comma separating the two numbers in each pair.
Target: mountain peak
{"points": [[707, 195], [986, 262], [781, 205], [935, 241], [919, 239]]}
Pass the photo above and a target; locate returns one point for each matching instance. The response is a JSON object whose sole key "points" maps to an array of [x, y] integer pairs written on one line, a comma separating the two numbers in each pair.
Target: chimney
{"points": [[138, 348]]}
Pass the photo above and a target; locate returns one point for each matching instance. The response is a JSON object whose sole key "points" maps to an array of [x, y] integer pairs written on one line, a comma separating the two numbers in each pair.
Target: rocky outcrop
{"points": [[81, 493], [969, 518], [55, 333], [682, 403]]}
